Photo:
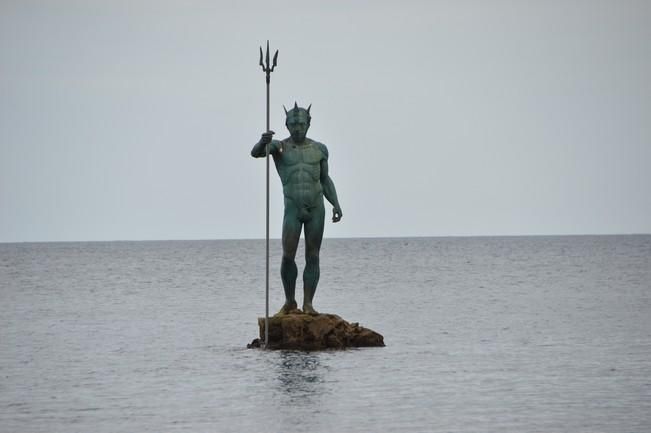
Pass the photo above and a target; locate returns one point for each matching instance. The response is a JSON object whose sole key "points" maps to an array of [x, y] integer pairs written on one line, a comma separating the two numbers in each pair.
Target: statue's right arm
{"points": [[259, 149]]}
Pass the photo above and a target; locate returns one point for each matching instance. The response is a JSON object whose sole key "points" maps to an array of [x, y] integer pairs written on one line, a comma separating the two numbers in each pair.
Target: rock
{"points": [[255, 344], [298, 331]]}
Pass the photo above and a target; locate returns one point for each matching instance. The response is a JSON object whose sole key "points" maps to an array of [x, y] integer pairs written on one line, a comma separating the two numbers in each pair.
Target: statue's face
{"points": [[298, 126]]}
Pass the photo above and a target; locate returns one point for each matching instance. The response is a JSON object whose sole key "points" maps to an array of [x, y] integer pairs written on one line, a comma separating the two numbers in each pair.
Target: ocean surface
{"points": [[485, 334]]}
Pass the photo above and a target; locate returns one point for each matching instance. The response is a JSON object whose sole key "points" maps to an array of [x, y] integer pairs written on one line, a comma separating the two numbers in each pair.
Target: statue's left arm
{"points": [[329, 190]]}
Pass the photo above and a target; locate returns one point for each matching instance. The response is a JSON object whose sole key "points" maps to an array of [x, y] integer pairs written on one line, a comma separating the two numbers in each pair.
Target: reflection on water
{"points": [[301, 376]]}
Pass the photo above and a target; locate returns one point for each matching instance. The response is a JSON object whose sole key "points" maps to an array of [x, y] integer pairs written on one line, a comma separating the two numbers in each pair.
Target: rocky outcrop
{"points": [[298, 331]]}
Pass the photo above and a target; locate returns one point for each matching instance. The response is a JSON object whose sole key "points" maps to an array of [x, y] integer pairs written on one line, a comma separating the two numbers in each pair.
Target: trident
{"points": [[267, 70]]}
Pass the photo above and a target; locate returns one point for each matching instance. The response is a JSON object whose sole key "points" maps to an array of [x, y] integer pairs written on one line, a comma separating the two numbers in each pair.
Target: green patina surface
{"points": [[302, 165]]}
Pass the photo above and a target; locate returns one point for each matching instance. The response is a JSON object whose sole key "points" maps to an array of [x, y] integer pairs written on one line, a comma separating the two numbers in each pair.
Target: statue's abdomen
{"points": [[300, 173]]}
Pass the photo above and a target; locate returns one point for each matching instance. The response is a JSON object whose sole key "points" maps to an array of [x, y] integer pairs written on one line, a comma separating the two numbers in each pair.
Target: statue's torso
{"points": [[299, 168]]}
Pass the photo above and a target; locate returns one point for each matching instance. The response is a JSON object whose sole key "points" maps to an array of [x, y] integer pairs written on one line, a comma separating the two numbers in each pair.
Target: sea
{"points": [[483, 334]]}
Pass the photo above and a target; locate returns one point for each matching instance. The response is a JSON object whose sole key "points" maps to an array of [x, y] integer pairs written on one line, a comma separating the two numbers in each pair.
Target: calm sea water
{"points": [[514, 334]]}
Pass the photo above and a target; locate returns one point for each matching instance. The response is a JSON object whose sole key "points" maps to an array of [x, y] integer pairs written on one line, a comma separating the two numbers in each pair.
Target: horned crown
{"points": [[297, 110]]}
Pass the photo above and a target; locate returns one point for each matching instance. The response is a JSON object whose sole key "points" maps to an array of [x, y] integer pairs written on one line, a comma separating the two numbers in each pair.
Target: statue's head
{"points": [[298, 122]]}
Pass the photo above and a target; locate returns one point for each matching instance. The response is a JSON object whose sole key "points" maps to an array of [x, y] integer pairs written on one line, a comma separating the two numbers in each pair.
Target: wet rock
{"points": [[255, 344], [298, 331]]}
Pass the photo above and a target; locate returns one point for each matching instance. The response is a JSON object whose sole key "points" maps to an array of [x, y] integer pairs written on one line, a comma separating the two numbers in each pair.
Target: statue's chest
{"points": [[292, 154]]}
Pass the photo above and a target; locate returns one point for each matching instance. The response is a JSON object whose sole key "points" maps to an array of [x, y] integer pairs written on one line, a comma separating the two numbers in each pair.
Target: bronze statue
{"points": [[302, 165]]}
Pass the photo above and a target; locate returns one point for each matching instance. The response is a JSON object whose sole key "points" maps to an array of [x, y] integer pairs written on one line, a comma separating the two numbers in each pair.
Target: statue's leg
{"points": [[288, 270], [313, 237]]}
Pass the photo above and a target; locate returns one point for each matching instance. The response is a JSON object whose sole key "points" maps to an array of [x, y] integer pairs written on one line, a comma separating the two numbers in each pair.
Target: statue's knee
{"points": [[312, 259], [288, 261]]}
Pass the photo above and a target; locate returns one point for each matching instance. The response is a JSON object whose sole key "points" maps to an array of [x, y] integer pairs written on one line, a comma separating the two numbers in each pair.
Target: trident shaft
{"points": [[267, 70]]}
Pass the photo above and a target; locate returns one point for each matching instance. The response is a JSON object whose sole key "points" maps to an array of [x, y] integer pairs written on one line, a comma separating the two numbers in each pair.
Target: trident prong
{"points": [[266, 68]]}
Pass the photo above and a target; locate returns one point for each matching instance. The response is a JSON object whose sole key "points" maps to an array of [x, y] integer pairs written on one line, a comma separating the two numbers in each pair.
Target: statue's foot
{"points": [[309, 309], [289, 307]]}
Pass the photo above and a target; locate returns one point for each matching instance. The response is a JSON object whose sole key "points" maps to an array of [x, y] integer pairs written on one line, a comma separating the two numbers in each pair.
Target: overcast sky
{"points": [[134, 120]]}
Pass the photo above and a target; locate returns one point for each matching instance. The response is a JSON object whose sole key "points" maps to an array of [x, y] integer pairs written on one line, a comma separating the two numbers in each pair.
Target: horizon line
{"points": [[331, 238]]}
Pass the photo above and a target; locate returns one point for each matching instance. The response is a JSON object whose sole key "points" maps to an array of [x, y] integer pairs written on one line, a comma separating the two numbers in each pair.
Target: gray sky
{"points": [[134, 120]]}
